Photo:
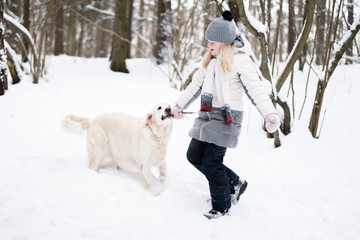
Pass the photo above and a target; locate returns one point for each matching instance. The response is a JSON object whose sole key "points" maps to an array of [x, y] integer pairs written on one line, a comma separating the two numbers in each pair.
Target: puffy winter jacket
{"points": [[243, 79]]}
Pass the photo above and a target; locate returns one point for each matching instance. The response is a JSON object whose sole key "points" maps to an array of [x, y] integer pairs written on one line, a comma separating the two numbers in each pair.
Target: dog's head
{"points": [[161, 115]]}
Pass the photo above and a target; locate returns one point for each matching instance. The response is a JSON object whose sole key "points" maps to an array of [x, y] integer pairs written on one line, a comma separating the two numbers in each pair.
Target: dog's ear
{"points": [[149, 119]]}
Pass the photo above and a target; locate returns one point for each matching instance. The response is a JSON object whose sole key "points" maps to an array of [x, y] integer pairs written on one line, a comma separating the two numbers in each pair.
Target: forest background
{"points": [[285, 35]]}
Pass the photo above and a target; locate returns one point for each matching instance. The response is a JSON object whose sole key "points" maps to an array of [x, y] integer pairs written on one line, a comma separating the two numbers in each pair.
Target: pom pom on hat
{"points": [[227, 15]]}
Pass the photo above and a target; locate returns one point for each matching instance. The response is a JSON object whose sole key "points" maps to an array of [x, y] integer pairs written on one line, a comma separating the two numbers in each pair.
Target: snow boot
{"points": [[214, 214], [237, 190]]}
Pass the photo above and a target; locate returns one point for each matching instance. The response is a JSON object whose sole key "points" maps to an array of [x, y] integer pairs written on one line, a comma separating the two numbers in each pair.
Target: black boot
{"points": [[214, 214], [237, 190]]}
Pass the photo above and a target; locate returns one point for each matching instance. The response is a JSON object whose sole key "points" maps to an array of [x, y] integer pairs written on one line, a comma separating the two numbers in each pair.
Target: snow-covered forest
{"points": [[284, 36], [93, 56]]}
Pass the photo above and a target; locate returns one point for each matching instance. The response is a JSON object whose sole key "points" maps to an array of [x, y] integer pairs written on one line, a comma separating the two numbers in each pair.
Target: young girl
{"points": [[226, 74]]}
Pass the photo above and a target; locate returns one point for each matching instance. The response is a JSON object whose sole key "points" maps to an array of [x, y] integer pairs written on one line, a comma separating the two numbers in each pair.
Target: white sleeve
{"points": [[252, 84], [193, 90]]}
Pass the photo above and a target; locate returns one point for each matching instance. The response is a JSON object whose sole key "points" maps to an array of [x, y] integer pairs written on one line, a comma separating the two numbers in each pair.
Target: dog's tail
{"points": [[75, 124]]}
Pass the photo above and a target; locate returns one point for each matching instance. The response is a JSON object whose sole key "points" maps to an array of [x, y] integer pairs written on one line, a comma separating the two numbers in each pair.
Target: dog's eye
{"points": [[159, 108]]}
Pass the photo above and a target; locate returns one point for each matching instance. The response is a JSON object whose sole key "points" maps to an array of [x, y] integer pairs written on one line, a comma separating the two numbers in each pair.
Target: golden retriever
{"points": [[130, 142]]}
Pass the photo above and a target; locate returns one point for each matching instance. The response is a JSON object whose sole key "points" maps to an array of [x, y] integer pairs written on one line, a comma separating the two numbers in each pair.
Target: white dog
{"points": [[130, 142]]}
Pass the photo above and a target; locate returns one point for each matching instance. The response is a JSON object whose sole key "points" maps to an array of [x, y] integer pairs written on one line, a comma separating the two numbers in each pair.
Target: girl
{"points": [[226, 74]]}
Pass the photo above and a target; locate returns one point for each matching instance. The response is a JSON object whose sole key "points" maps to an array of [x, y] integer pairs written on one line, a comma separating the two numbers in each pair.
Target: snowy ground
{"points": [[306, 189]]}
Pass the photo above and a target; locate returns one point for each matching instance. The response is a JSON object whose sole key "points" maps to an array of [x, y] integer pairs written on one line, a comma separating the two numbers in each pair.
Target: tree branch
{"points": [[295, 53]]}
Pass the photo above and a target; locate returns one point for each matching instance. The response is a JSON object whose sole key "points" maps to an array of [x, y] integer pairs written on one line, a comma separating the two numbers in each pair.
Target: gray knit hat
{"points": [[221, 29]]}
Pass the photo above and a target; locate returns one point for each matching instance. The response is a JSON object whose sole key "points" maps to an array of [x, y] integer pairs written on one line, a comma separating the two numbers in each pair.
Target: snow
{"points": [[306, 189], [255, 23]]}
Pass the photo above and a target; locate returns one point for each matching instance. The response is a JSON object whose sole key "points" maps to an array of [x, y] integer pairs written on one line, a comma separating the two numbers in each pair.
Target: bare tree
{"points": [[71, 32], [297, 50], [103, 38], [26, 20], [163, 43], [291, 26], [350, 21], [59, 29], [141, 22], [3, 63], [321, 11], [119, 47], [302, 56], [327, 73]]}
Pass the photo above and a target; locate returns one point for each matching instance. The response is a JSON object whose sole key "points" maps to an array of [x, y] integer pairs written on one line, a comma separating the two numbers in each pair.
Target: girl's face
{"points": [[214, 48]]}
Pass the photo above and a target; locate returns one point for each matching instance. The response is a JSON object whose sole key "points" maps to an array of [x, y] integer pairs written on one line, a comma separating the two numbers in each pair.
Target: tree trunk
{"points": [[71, 31], [320, 53], [59, 29], [26, 24], [302, 57], [163, 42], [235, 11], [103, 38], [3, 64], [291, 27], [209, 10], [299, 46], [278, 26], [269, 25], [322, 83], [119, 47], [140, 43], [79, 42], [350, 19], [129, 10]]}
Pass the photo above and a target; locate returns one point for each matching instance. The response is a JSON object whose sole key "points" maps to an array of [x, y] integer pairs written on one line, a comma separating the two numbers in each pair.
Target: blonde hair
{"points": [[226, 56]]}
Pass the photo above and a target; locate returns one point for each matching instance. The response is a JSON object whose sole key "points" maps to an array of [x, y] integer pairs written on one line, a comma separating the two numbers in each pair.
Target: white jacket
{"points": [[242, 79]]}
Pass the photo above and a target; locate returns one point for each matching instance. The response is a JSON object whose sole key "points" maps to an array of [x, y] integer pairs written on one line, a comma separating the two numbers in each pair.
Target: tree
{"points": [[102, 37], [164, 41], [59, 29], [350, 21], [119, 47], [71, 21], [327, 73], [3, 64], [291, 27], [321, 11], [140, 43], [297, 50], [26, 20]]}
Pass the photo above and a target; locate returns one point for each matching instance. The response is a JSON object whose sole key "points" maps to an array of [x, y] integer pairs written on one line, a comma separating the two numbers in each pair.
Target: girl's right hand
{"points": [[177, 112]]}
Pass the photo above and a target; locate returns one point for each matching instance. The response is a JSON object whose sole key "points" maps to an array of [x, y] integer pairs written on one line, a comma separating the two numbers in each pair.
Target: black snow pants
{"points": [[208, 159]]}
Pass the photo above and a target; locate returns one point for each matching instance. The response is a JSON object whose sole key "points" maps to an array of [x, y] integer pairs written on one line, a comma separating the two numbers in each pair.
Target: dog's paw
{"points": [[156, 189], [162, 177], [93, 167]]}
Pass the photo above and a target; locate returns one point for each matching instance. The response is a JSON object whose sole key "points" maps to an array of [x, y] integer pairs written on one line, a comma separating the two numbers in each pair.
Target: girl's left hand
{"points": [[272, 122]]}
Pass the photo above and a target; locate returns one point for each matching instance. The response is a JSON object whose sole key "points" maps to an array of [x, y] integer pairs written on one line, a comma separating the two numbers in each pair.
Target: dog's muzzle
{"points": [[168, 114]]}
